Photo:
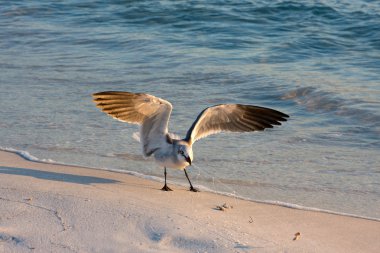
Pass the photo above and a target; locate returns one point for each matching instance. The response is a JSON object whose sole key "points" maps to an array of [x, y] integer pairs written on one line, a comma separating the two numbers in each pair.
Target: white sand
{"points": [[53, 208]]}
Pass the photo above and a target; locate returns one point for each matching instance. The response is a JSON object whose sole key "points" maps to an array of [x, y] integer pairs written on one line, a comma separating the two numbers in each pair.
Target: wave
{"points": [[27, 156], [316, 100]]}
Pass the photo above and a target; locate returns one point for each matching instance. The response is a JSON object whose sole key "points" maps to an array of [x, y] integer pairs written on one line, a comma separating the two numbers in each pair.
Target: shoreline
{"points": [[61, 208], [27, 156]]}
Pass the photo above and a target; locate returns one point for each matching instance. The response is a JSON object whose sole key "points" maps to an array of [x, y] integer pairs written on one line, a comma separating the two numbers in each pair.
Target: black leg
{"points": [[191, 186], [165, 188]]}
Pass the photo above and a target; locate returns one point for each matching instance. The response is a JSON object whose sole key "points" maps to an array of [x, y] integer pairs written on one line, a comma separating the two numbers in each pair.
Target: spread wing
{"points": [[233, 118], [150, 112]]}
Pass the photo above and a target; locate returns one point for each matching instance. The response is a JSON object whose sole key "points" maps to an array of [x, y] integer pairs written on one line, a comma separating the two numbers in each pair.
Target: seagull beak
{"points": [[188, 159]]}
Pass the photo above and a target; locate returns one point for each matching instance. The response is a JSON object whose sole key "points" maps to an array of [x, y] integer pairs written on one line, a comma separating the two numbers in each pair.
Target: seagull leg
{"points": [[165, 188], [191, 186]]}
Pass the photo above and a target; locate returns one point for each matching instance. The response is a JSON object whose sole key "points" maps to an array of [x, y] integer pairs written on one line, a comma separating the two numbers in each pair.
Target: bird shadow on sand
{"points": [[56, 176]]}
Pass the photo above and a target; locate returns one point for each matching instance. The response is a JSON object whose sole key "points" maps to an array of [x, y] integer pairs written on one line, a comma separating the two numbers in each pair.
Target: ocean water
{"points": [[318, 61]]}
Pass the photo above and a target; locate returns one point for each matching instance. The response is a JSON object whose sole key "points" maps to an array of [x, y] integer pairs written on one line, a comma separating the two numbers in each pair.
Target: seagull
{"points": [[152, 115]]}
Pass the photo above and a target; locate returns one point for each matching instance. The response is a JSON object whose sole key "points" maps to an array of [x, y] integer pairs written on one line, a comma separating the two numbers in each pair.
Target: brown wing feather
{"points": [[126, 106], [150, 112]]}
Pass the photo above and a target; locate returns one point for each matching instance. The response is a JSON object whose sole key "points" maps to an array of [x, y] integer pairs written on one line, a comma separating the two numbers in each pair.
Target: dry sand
{"points": [[54, 208]]}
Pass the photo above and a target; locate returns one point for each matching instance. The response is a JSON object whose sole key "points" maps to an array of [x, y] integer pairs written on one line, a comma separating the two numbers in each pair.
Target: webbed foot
{"points": [[166, 188], [194, 189]]}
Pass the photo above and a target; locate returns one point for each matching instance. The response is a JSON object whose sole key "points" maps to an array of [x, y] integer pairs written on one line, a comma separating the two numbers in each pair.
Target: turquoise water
{"points": [[318, 61]]}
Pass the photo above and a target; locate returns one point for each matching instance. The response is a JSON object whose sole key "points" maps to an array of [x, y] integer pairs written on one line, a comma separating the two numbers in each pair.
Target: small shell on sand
{"points": [[227, 206], [297, 236], [224, 207]]}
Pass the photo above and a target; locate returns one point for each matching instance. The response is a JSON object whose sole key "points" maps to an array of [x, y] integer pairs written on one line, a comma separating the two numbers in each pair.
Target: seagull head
{"points": [[184, 152]]}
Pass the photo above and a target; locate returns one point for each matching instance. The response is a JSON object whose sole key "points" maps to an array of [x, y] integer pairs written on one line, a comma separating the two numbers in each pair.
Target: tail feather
{"points": [[136, 136]]}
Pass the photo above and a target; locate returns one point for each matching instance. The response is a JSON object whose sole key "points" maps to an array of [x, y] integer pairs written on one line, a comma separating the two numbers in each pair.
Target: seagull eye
{"points": [[180, 152]]}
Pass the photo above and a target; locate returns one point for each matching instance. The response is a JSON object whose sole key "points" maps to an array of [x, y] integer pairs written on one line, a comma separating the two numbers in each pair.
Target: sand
{"points": [[57, 208]]}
